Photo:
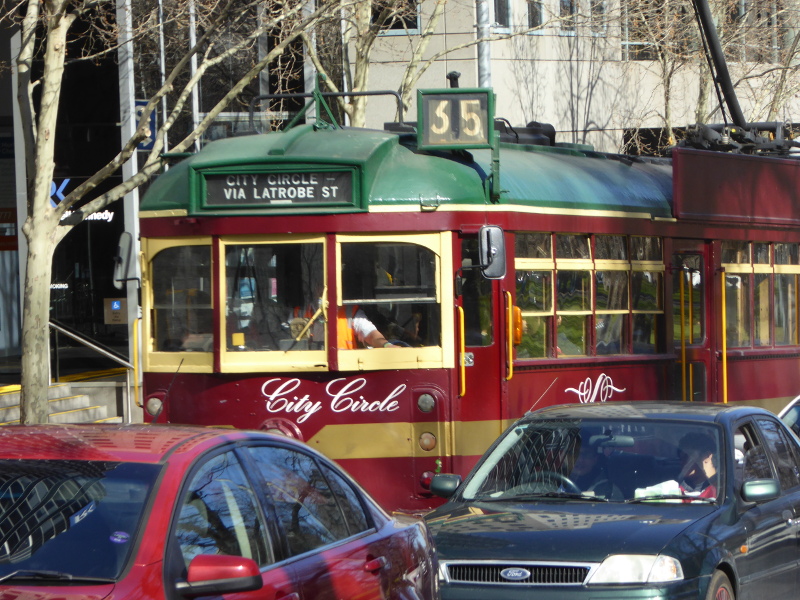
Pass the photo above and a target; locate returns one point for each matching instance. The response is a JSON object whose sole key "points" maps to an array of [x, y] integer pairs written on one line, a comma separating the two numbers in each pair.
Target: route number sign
{"points": [[455, 118]]}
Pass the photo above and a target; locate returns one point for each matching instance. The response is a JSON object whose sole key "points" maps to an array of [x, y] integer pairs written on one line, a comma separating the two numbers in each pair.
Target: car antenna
{"points": [[166, 394], [543, 394]]}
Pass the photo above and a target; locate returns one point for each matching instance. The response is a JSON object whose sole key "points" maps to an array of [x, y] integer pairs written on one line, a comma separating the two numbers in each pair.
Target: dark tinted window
{"points": [[306, 507], [348, 500], [219, 514], [784, 453], [75, 517]]}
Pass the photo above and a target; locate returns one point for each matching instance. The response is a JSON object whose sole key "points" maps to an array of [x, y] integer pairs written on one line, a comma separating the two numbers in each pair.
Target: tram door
{"points": [[480, 395], [691, 331]]}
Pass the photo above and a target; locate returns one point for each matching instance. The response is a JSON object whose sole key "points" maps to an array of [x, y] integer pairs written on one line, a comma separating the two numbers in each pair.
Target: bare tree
{"points": [[49, 37]]}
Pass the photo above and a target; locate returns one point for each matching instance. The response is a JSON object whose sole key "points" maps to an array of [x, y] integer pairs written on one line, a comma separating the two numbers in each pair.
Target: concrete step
{"points": [[86, 414], [70, 409], [10, 395]]}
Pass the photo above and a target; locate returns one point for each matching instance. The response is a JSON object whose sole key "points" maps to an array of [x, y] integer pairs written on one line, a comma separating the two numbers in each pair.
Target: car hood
{"points": [[585, 532], [30, 592]]}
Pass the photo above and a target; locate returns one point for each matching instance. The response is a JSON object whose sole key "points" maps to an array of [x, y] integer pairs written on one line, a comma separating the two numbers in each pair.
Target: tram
{"points": [[504, 271]]}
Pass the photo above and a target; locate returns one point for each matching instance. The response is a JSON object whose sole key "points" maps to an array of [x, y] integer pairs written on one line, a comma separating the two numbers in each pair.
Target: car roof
{"points": [[690, 411], [127, 443]]}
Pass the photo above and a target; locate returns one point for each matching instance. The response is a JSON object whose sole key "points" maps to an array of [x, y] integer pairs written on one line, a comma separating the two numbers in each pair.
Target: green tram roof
{"points": [[395, 173]]}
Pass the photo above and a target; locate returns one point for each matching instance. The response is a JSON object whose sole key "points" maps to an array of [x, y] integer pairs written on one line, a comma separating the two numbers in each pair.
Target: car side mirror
{"points": [[492, 252], [214, 574], [760, 490], [445, 484]]}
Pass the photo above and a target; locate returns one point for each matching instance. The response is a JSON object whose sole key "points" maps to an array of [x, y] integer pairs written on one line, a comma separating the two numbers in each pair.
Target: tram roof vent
{"points": [[534, 133]]}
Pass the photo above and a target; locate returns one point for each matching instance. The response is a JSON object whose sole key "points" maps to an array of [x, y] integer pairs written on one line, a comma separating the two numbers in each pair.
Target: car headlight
{"points": [[637, 568]]}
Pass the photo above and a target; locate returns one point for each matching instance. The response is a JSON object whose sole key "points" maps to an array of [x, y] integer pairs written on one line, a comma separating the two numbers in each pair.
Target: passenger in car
{"points": [[699, 474]]}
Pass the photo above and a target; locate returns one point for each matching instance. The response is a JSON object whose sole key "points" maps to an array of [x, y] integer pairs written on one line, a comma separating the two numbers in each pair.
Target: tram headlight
{"points": [[426, 403], [153, 405], [427, 441]]}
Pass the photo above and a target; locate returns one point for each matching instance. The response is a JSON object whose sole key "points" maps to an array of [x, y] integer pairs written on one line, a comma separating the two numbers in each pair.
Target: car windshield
{"points": [[590, 460], [66, 521]]}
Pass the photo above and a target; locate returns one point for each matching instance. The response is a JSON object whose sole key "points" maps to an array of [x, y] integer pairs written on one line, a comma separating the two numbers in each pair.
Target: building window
{"points": [[598, 18], [636, 39], [757, 31], [535, 14], [396, 16], [502, 14], [568, 11]]}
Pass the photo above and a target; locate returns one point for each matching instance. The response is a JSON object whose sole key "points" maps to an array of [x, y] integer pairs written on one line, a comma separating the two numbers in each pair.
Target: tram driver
{"points": [[361, 274]]}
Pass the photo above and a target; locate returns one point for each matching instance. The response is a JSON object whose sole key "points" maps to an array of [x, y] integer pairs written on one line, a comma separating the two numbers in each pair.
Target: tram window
{"points": [[394, 284], [572, 246], [736, 252], [572, 335], [535, 300], [476, 297], [691, 304], [786, 254], [785, 308], [761, 253], [273, 296], [646, 248], [611, 292], [533, 245], [737, 305], [610, 247], [610, 305], [182, 307], [761, 310], [573, 291], [647, 304]]}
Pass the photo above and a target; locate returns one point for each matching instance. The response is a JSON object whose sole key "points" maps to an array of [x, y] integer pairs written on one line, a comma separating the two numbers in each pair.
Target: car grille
{"points": [[539, 574]]}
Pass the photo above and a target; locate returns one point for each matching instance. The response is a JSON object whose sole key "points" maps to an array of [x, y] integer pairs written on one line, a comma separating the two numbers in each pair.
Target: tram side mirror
{"points": [[492, 252], [122, 261]]}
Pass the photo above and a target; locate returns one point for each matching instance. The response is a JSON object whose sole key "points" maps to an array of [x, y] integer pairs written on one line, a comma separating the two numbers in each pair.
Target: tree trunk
{"points": [[35, 331]]}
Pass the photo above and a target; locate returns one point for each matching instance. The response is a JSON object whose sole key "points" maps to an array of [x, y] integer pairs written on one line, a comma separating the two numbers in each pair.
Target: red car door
{"points": [[333, 540]]}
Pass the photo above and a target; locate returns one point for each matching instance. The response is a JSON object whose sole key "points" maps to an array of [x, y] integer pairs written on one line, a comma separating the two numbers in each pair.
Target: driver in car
{"points": [[590, 474]]}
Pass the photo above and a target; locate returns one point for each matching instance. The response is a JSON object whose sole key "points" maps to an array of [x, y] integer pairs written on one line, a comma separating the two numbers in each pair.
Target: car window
{"points": [[620, 460], [307, 507], [784, 453], [348, 500], [750, 456], [219, 514]]}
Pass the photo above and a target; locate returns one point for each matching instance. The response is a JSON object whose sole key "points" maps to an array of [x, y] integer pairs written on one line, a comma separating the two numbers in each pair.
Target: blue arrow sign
{"points": [[58, 192]]}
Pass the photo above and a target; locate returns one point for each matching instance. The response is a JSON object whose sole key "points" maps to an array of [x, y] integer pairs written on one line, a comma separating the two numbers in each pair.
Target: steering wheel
{"points": [[539, 482], [563, 480]]}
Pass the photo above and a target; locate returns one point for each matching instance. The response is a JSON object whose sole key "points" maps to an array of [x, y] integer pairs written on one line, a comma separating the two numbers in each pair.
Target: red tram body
{"points": [[625, 279]]}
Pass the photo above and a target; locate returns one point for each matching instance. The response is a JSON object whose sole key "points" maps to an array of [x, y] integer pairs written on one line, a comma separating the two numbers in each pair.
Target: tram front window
{"points": [[274, 294], [394, 285], [182, 308]]}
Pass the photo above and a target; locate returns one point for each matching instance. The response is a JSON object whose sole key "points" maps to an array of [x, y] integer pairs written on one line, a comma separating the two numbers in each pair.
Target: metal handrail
{"points": [[107, 354]]}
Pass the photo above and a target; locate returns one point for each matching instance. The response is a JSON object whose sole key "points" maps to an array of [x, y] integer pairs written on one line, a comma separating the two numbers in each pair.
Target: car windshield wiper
{"points": [[559, 494], [50, 576], [666, 497], [538, 495]]}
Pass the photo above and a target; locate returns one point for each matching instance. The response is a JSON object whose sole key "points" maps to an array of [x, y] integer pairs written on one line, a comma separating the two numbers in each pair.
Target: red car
{"points": [[163, 512]]}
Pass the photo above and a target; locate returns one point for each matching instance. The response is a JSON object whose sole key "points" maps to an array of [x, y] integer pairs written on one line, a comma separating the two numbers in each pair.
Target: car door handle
{"points": [[375, 564]]}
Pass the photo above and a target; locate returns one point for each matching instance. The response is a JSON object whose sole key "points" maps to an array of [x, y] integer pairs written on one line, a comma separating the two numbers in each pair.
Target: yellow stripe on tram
{"points": [[397, 440]]}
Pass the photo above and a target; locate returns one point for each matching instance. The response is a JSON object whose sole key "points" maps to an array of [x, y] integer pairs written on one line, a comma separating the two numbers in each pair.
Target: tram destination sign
{"points": [[279, 189]]}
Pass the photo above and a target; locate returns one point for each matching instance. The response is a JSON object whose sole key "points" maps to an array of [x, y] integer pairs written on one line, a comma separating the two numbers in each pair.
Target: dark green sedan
{"points": [[619, 501]]}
